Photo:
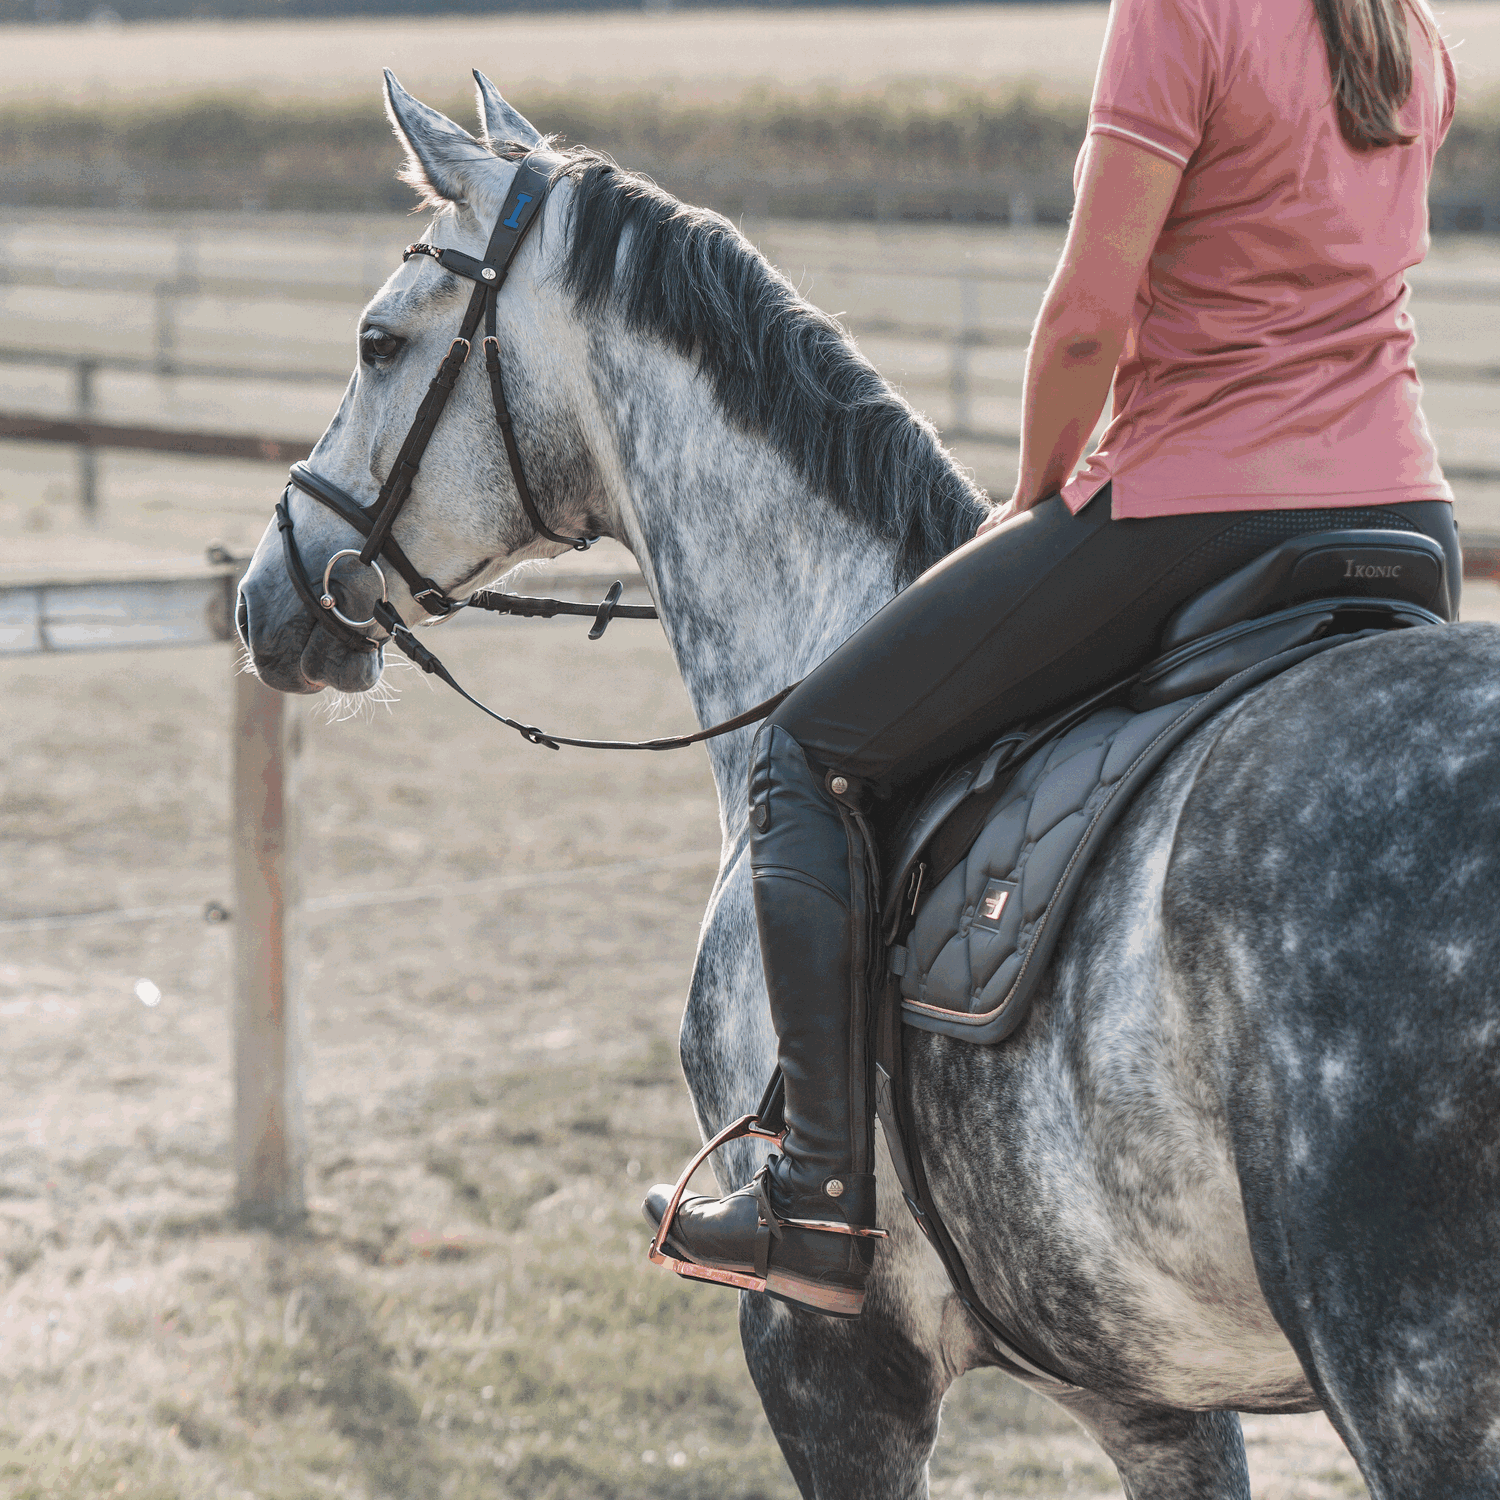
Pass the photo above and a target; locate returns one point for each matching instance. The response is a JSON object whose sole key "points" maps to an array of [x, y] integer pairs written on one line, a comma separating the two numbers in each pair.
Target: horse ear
{"points": [[440, 156], [502, 124]]}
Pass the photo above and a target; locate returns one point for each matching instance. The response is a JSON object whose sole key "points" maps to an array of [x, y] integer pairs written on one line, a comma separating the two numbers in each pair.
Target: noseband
{"points": [[523, 203]]}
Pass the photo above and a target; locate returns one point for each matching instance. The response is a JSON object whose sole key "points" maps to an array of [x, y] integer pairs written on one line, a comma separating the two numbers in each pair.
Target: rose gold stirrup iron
{"points": [[746, 1125]]}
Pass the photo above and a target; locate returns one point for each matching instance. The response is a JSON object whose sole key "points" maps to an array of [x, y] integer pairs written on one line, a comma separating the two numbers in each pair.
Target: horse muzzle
{"points": [[288, 650]]}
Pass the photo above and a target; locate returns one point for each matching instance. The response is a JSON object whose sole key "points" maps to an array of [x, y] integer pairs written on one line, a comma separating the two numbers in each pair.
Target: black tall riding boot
{"points": [[806, 1222]]}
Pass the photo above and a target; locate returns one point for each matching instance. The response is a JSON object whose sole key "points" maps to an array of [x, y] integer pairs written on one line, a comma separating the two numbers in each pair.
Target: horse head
{"points": [[463, 522]]}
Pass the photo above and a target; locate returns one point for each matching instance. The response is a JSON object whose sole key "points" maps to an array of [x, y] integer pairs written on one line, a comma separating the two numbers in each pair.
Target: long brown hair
{"points": [[1369, 55]]}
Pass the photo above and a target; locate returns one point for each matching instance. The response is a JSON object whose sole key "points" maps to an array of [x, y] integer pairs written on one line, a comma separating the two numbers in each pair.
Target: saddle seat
{"points": [[987, 864]]}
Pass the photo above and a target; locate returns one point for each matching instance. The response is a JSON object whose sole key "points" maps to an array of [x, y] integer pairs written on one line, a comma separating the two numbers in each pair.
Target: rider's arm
{"points": [[1123, 198]]}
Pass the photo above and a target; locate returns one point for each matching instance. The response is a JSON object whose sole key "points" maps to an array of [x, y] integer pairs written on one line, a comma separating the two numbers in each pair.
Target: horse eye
{"points": [[376, 345]]}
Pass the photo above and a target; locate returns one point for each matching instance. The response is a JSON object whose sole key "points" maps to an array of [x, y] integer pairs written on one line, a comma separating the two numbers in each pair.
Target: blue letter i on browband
{"points": [[514, 222]]}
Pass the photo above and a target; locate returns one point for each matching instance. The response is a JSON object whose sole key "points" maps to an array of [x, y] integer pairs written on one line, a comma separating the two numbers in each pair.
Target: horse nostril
{"points": [[242, 618]]}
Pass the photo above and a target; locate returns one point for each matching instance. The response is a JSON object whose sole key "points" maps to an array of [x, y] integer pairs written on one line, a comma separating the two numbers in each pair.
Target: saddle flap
{"points": [[1405, 566], [929, 813], [1003, 868]]}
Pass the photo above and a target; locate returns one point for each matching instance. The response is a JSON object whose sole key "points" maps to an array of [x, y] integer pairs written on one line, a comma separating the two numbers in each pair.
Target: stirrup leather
{"points": [[771, 1223]]}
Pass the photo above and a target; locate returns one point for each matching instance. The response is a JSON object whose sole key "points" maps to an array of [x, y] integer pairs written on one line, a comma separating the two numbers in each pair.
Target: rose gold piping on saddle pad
{"points": [[745, 1126]]}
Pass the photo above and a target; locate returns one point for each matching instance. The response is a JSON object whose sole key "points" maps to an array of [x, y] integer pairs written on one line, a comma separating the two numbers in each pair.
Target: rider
{"points": [[1250, 195]]}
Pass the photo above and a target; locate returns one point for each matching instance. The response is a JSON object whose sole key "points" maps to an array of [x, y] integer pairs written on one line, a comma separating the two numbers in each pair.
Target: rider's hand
{"points": [[1001, 514], [998, 515]]}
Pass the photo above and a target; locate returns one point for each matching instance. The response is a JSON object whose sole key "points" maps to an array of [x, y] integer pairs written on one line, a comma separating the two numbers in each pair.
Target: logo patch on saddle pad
{"points": [[992, 903]]}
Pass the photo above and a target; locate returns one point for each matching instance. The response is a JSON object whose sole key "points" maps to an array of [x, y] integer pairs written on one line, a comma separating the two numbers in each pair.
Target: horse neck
{"points": [[757, 578]]}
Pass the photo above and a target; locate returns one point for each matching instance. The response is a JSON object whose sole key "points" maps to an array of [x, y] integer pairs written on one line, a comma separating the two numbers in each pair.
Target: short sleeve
{"points": [[1450, 89], [1156, 77]]}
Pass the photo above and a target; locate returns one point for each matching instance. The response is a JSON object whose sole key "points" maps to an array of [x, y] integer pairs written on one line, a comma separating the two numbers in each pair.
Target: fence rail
{"points": [[89, 436], [72, 278], [188, 283], [22, 428], [167, 366], [116, 614]]}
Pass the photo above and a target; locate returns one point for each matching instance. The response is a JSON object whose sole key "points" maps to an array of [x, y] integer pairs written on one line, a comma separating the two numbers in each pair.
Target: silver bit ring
{"points": [[331, 605]]}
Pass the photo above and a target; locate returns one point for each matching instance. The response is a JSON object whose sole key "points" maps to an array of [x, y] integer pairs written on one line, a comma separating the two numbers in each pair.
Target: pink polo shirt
{"points": [[1269, 363]]}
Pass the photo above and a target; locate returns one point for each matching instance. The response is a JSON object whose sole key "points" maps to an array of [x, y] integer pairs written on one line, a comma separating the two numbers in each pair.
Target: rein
{"points": [[528, 191]]}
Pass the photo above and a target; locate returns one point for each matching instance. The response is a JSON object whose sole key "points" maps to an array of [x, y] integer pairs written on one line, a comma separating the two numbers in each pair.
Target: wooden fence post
{"points": [[961, 418], [88, 455], [270, 1143]]}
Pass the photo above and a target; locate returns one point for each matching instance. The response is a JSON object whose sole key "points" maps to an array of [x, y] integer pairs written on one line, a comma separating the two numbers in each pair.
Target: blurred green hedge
{"points": [[909, 151], [225, 151]]}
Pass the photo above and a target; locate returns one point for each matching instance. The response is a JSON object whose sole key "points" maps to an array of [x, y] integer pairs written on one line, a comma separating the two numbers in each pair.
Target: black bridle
{"points": [[522, 206]]}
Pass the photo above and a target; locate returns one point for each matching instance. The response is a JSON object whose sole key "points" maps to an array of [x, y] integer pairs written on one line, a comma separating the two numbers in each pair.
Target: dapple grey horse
{"points": [[1243, 1155]]}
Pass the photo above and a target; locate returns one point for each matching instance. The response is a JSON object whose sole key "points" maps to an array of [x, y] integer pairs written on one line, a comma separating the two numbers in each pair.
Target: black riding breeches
{"points": [[1038, 612]]}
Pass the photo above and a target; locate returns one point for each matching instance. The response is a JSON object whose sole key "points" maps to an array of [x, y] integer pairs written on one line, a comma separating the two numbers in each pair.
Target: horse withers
{"points": [[1243, 1154]]}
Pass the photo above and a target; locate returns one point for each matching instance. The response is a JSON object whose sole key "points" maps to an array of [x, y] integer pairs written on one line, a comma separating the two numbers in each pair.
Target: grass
{"points": [[527, 1350], [518, 1352], [904, 149], [225, 150]]}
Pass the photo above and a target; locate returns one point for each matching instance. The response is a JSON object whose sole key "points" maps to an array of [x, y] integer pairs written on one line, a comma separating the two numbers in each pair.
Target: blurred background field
{"points": [[190, 217], [943, 310], [968, 113]]}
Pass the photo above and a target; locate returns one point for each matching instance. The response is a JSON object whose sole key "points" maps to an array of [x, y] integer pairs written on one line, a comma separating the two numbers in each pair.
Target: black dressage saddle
{"points": [[984, 868]]}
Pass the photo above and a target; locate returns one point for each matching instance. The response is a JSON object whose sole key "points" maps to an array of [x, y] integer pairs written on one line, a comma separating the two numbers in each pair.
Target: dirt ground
{"points": [[490, 1069], [491, 1080]]}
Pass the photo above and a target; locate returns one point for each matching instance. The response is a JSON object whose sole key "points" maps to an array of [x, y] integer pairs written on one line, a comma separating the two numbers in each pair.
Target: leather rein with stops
{"points": [[528, 191]]}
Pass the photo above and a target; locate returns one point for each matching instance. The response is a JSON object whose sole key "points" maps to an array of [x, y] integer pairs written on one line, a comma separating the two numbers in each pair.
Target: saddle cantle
{"points": [[990, 861]]}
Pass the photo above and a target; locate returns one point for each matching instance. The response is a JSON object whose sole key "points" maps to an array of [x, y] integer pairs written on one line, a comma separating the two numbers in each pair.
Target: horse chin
{"points": [[328, 663]]}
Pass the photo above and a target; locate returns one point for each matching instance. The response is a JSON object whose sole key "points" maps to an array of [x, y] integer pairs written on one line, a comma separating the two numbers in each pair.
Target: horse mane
{"points": [[779, 367]]}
